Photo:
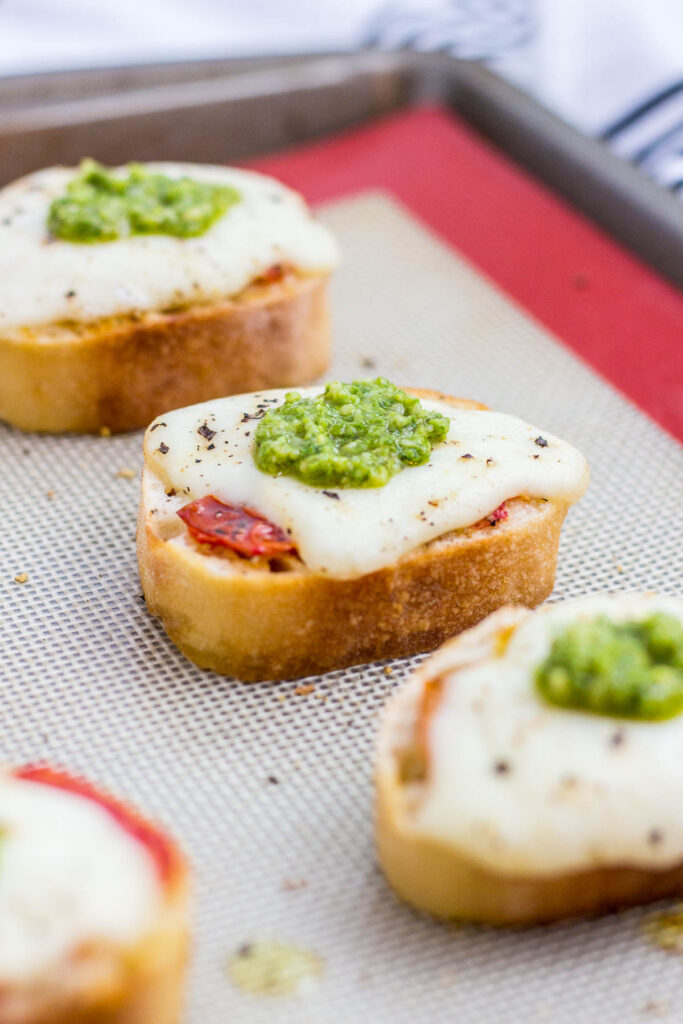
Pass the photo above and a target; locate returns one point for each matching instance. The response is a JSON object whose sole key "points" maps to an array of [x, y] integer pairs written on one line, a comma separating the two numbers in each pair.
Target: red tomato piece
{"points": [[211, 521], [498, 514], [274, 273]]}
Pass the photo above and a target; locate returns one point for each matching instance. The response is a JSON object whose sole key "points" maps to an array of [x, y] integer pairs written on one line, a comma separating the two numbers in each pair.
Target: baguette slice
{"points": [[100, 980], [257, 620], [436, 876], [119, 373]]}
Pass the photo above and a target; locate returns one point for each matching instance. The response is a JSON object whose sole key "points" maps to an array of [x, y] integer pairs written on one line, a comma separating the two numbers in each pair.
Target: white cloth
{"points": [[593, 62]]}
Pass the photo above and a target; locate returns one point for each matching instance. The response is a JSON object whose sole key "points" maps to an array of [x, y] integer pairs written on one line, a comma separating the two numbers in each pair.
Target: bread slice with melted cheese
{"points": [[68, 952], [119, 373], [275, 619], [509, 863], [106, 335]]}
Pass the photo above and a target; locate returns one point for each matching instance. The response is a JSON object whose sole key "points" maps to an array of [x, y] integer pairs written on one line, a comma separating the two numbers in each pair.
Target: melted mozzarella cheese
{"points": [[44, 280], [577, 790], [68, 874], [348, 532]]}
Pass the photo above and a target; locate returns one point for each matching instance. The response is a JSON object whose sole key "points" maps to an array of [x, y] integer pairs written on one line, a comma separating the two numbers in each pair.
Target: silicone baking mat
{"points": [[270, 790]]}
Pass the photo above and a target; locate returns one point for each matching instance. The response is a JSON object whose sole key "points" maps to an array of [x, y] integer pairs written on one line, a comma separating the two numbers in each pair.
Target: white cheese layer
{"points": [[68, 874], [44, 280], [348, 532], [520, 786]]}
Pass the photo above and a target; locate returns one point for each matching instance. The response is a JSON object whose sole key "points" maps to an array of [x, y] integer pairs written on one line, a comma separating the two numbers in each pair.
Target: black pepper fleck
{"points": [[617, 738], [163, 448], [501, 767], [541, 442], [206, 431], [331, 494], [155, 425], [655, 836], [211, 447], [71, 294], [467, 456], [273, 779]]}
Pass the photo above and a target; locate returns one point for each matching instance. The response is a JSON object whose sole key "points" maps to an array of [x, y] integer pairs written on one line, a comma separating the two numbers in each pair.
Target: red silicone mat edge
{"points": [[604, 303]]}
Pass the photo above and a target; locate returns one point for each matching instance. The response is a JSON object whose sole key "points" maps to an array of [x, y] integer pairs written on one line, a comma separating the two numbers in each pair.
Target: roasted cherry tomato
{"points": [[274, 273], [211, 521], [498, 515]]}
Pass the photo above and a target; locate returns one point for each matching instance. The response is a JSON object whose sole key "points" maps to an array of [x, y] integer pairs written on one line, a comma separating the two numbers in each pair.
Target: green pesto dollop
{"points": [[273, 968], [353, 435], [100, 206], [626, 669]]}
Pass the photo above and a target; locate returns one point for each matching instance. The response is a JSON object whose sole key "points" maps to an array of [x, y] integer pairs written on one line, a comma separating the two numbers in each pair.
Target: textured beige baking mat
{"points": [[269, 789]]}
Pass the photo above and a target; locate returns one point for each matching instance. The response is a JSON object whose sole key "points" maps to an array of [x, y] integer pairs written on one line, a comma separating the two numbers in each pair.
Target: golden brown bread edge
{"points": [[227, 615], [143, 984], [435, 877], [119, 373]]}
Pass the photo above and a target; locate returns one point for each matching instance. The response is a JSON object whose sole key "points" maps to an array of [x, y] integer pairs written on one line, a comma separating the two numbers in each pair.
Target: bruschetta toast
{"points": [[498, 805], [93, 907], [350, 574], [104, 333]]}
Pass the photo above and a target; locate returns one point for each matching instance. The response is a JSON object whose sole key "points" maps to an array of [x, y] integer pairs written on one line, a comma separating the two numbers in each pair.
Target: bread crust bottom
{"points": [[121, 372], [433, 877], [257, 624]]}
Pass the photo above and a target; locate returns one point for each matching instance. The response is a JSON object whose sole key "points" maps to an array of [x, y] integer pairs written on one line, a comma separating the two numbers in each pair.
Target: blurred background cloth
{"points": [[612, 68]]}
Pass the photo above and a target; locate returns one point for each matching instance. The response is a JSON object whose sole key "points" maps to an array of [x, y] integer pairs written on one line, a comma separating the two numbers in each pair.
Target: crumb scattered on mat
{"points": [[293, 884], [666, 930]]}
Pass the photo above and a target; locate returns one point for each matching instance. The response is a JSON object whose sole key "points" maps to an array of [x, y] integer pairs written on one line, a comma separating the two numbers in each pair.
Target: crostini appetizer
{"points": [[129, 291], [531, 769], [284, 534], [93, 907]]}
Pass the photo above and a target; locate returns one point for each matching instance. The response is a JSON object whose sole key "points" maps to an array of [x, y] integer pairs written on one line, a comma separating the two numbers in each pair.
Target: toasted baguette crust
{"points": [[143, 984], [121, 372], [433, 876], [238, 619]]}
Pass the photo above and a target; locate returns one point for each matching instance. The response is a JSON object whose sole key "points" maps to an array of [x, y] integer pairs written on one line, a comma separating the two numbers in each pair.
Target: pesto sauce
{"points": [[273, 968], [353, 435], [626, 669], [100, 207]]}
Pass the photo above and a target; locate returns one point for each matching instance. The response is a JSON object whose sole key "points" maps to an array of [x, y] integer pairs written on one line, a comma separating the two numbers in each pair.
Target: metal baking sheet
{"points": [[90, 681], [229, 110]]}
